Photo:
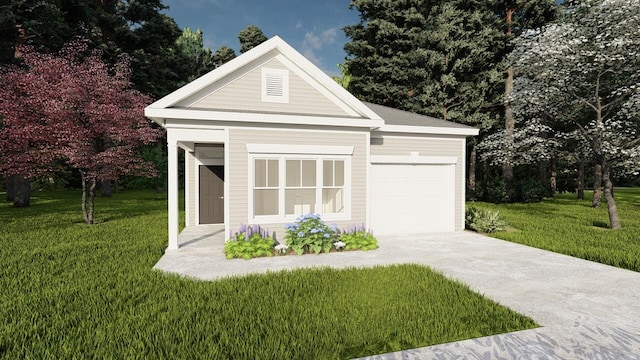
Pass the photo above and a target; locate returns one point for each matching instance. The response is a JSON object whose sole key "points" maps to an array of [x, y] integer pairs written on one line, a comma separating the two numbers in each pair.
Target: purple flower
{"points": [[243, 228]]}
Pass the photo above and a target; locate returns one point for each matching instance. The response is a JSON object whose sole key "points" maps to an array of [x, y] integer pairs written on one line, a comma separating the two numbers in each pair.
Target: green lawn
{"points": [[569, 226], [75, 291]]}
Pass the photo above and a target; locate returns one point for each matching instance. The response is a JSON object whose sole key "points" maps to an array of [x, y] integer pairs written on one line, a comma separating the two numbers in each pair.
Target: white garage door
{"points": [[412, 198]]}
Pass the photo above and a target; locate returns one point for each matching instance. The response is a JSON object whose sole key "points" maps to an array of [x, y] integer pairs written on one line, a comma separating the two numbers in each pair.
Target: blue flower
{"points": [[293, 226], [326, 235], [314, 230], [301, 234]]}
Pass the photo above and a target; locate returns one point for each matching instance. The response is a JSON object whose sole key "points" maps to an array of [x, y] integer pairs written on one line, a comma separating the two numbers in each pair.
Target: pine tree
{"points": [[250, 37]]}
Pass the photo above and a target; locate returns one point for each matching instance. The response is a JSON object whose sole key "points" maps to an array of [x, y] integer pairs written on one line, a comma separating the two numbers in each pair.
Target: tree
{"points": [[386, 57], [222, 55], [198, 60], [72, 106], [137, 28], [587, 66], [250, 37], [439, 58], [345, 78], [518, 17]]}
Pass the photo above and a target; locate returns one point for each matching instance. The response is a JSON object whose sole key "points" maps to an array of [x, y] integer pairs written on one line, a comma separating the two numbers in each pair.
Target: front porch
{"points": [[200, 255]]}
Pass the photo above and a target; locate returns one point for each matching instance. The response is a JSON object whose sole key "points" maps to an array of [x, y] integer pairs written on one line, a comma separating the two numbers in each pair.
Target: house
{"points": [[269, 136]]}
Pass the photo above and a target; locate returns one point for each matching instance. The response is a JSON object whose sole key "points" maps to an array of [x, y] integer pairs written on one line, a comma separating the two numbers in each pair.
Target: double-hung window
{"points": [[333, 189], [266, 187], [301, 186], [284, 186]]}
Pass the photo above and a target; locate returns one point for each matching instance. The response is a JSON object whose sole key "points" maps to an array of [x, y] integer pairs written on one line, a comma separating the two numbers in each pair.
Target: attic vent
{"points": [[275, 85]]}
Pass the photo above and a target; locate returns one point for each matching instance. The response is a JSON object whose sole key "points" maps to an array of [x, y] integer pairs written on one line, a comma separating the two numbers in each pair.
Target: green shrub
{"points": [[499, 191], [483, 220], [358, 238], [531, 190], [249, 242], [309, 233]]}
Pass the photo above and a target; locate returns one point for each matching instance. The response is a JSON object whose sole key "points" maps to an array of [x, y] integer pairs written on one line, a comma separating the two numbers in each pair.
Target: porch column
{"points": [[172, 152]]}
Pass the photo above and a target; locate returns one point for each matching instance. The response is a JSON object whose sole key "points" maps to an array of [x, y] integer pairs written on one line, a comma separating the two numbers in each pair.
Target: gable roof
{"points": [[396, 120], [359, 114]]}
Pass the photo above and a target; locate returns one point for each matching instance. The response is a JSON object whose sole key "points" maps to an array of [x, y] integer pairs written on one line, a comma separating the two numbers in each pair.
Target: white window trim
{"points": [[285, 85], [271, 149], [282, 217], [414, 158]]}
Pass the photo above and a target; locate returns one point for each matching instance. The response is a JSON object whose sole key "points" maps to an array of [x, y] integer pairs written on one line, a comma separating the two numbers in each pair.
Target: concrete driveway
{"points": [[587, 310]]}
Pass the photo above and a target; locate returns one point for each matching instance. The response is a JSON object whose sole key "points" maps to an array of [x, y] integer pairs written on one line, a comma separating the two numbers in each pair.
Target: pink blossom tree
{"points": [[72, 106]]}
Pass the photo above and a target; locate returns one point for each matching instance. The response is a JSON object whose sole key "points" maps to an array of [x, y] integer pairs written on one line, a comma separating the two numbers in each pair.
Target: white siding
{"points": [[239, 172], [244, 94]]}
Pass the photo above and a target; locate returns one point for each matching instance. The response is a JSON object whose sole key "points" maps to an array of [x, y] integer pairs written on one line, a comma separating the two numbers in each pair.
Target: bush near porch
{"points": [[573, 227], [71, 290], [308, 234]]}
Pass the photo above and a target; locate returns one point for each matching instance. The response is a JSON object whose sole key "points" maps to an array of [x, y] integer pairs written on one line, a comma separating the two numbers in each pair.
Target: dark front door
{"points": [[211, 194]]}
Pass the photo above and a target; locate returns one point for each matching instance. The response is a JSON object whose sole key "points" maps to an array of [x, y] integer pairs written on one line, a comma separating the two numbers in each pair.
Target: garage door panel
{"points": [[411, 199]]}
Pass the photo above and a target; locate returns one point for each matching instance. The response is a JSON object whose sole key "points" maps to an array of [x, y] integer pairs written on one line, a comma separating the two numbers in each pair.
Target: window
{"points": [[266, 189], [300, 189], [291, 185], [275, 85], [333, 186]]}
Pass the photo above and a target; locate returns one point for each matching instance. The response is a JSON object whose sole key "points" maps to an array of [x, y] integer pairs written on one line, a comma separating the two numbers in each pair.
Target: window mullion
{"points": [[319, 184], [281, 185]]}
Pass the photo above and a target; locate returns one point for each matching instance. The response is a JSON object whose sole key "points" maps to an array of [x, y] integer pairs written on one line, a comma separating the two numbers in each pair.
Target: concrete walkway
{"points": [[587, 310]]}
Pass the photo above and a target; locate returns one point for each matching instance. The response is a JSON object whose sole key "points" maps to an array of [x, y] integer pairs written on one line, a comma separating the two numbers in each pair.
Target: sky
{"points": [[313, 27]]}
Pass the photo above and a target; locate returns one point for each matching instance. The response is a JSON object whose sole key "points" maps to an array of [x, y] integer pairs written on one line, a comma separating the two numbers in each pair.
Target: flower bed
{"points": [[309, 234]]}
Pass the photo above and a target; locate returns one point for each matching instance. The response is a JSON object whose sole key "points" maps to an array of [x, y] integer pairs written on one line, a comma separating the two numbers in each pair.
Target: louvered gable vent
{"points": [[275, 85]]}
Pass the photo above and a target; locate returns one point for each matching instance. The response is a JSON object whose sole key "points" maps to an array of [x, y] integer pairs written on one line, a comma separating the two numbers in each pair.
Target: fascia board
{"points": [[428, 130], [240, 117], [216, 74]]}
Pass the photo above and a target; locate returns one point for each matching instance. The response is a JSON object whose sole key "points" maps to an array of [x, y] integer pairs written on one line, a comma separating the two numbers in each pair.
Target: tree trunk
{"points": [[509, 126], [485, 177], [542, 172], [553, 180], [471, 180], [9, 185], [597, 185], [105, 188], [581, 180], [614, 220], [21, 191], [88, 188], [509, 119], [92, 197]]}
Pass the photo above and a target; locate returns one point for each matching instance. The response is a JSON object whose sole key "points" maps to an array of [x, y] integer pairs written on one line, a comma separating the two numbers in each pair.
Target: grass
{"points": [[572, 227], [75, 291]]}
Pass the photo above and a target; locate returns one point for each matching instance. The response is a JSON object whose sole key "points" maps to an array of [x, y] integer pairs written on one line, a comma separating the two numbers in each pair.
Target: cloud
{"points": [[314, 42], [308, 53], [318, 41]]}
